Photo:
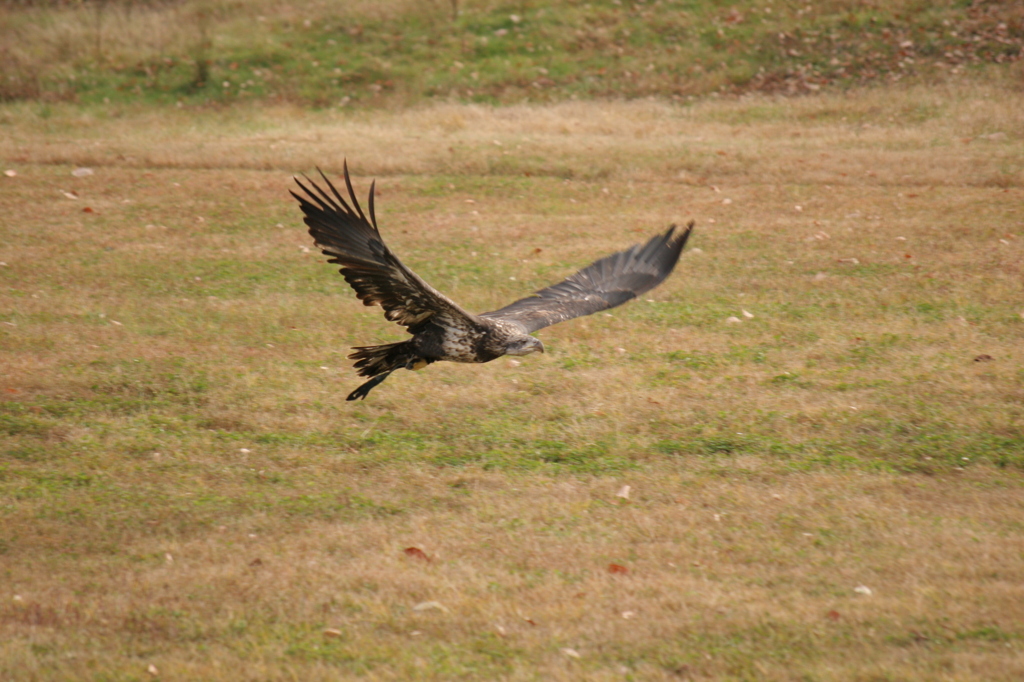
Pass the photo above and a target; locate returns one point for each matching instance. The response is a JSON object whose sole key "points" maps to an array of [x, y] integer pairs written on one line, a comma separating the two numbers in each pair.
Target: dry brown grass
{"points": [[730, 577], [188, 489], [863, 138]]}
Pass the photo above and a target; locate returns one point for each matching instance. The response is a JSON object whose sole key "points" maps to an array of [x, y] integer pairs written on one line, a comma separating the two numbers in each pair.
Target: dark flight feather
{"points": [[371, 269], [603, 284]]}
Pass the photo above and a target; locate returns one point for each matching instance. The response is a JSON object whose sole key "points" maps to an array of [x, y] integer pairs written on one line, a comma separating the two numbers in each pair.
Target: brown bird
{"points": [[440, 328]]}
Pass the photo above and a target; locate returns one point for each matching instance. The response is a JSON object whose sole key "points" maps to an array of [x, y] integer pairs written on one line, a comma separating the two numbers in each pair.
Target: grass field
{"points": [[820, 416], [401, 52]]}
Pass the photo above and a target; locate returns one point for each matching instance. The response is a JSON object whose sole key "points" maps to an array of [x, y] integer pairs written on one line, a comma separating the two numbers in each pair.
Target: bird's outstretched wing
{"points": [[603, 284], [342, 232]]}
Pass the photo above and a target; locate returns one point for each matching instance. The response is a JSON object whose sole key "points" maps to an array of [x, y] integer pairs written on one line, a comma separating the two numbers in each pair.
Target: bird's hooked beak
{"points": [[531, 345]]}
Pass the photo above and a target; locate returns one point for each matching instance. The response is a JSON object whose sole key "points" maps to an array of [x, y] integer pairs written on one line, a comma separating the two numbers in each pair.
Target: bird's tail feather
{"points": [[374, 360], [379, 362]]}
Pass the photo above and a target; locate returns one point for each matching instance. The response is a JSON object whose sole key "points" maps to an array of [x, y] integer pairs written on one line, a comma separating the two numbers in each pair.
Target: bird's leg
{"points": [[364, 390]]}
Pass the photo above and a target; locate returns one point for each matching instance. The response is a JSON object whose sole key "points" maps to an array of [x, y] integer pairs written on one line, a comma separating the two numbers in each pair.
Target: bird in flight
{"points": [[440, 328]]}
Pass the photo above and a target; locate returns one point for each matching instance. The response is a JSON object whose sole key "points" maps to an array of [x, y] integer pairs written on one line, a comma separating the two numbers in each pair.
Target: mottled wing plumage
{"points": [[604, 284], [343, 232]]}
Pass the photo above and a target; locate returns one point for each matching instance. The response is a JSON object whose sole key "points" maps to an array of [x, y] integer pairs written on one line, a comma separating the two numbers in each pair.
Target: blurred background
{"points": [[393, 53]]}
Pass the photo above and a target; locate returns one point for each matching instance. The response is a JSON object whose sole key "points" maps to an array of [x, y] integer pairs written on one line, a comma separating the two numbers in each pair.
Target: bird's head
{"points": [[523, 345]]}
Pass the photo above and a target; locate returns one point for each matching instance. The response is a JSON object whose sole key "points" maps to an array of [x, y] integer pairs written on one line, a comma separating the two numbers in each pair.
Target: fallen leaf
{"points": [[10, 173], [331, 633], [82, 172], [862, 589], [617, 569], [629, 614], [832, 615], [430, 606], [152, 670], [416, 552], [984, 358], [69, 195], [623, 493], [88, 209], [733, 320], [748, 315], [571, 653]]}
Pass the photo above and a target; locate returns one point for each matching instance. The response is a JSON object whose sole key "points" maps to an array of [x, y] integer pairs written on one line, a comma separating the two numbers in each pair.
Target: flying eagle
{"points": [[440, 328]]}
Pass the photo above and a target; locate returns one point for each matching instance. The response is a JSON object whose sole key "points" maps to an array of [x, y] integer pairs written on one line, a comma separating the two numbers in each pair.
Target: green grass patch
{"points": [[222, 53]]}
